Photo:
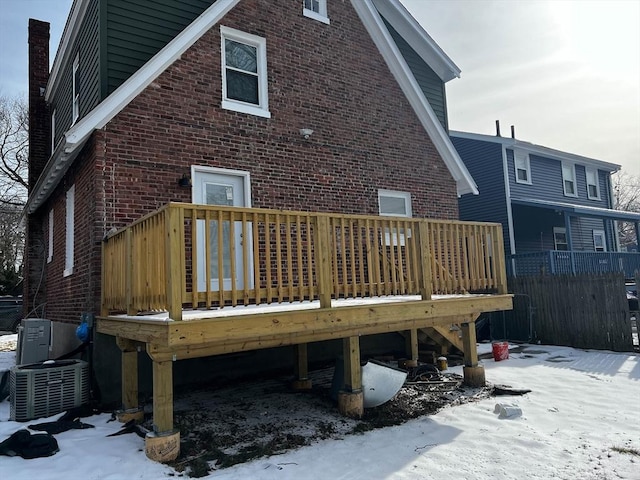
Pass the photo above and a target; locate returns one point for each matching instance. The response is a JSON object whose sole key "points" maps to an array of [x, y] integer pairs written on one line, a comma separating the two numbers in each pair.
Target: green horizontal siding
{"points": [[138, 29], [430, 84]]}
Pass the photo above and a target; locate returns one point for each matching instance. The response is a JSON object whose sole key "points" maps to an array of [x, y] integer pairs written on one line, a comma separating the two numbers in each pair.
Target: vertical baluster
{"points": [[375, 248], [278, 257], [267, 248], [232, 254], [288, 226], [300, 270], [256, 258]]}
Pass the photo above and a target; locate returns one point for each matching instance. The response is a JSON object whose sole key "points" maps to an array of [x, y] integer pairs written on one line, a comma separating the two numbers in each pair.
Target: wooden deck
{"points": [[261, 278]]}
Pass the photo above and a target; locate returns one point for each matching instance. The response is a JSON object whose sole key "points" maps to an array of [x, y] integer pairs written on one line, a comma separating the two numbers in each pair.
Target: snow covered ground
{"points": [[581, 421]]}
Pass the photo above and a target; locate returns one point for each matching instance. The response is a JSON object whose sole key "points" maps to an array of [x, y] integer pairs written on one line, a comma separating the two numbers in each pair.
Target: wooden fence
{"points": [[584, 311]]}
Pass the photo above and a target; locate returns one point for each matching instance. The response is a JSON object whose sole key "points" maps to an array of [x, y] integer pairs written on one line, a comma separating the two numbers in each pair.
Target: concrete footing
{"points": [[351, 404], [301, 384], [125, 416], [162, 447], [474, 376]]}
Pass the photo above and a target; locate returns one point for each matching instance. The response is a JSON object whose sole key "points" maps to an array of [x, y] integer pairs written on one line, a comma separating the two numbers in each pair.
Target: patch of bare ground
{"points": [[226, 425]]}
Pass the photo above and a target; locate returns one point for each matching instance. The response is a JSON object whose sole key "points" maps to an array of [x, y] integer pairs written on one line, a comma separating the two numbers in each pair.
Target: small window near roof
{"points": [[244, 73], [593, 189], [523, 167], [75, 108], [53, 131], [50, 243], [569, 180], [316, 9]]}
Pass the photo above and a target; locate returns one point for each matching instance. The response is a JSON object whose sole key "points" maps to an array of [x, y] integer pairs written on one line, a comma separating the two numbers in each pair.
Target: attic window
{"points": [[75, 108], [244, 73], [316, 9], [523, 167]]}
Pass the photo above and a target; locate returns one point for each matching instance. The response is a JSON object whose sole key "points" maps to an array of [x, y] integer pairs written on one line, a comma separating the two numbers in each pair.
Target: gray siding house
{"points": [[556, 208]]}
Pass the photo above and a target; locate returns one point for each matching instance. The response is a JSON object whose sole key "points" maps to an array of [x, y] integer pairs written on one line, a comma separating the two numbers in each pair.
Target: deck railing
{"points": [[271, 256], [560, 262]]}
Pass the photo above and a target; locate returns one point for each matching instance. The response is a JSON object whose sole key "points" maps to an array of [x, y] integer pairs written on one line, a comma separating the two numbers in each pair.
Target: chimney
{"points": [[39, 121], [498, 128], [513, 132]]}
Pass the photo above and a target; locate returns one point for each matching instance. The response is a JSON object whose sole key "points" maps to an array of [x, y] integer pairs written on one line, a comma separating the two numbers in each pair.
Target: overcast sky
{"points": [[566, 74]]}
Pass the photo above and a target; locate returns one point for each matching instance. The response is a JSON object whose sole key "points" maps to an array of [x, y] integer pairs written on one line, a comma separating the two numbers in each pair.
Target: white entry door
{"points": [[216, 187]]}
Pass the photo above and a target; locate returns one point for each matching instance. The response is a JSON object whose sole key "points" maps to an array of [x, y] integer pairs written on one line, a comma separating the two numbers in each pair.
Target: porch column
{"points": [[301, 368], [411, 337], [129, 377], [473, 372], [351, 398], [567, 227], [163, 443]]}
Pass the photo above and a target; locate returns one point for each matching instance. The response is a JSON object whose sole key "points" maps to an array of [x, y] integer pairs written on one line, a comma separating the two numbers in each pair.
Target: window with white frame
{"points": [[50, 244], [392, 203], [53, 131], [316, 9], [569, 180], [244, 72], [76, 90], [560, 238], [593, 189], [523, 167], [599, 241], [69, 233]]}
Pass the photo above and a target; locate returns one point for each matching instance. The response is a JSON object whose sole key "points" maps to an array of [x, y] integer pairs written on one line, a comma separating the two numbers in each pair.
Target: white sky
{"points": [[565, 73]]}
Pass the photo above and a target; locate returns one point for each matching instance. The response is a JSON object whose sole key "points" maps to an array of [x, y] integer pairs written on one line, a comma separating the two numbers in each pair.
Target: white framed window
{"points": [[244, 72], [393, 203], [593, 188], [599, 241], [569, 179], [75, 108], [560, 238], [53, 131], [316, 9], [69, 233], [522, 167], [50, 244]]}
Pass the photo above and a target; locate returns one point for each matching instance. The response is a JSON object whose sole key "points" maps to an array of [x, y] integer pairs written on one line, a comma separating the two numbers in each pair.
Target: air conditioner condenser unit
{"points": [[43, 389]]}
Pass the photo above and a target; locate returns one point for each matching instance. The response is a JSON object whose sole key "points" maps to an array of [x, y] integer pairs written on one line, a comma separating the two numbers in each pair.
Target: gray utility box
{"points": [[46, 388], [34, 338]]}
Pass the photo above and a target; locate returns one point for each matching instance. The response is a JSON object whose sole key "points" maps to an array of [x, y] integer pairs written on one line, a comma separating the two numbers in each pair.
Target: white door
{"points": [[213, 188]]}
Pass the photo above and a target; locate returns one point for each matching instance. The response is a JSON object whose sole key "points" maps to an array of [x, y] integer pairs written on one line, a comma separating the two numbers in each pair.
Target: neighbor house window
{"points": [[569, 179], [393, 203], [593, 189], [75, 108], [523, 168], [560, 238], [50, 245], [69, 234], [53, 131], [316, 9], [599, 241], [244, 72]]}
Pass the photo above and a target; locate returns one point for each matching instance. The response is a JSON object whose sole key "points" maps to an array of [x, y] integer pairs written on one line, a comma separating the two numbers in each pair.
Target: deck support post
{"points": [[473, 372], [412, 348], [322, 242], [174, 261], [301, 368], [163, 444], [425, 282], [129, 376], [351, 398]]}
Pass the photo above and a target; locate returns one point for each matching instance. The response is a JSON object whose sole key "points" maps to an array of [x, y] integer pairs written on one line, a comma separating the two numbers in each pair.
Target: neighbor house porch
{"points": [[191, 281]]}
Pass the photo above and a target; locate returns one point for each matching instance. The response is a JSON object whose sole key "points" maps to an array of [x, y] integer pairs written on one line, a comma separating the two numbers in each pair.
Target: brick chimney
{"points": [[34, 293], [39, 120]]}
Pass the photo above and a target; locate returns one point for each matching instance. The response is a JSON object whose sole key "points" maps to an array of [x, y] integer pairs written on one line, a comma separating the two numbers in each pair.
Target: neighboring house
{"points": [[556, 208], [240, 106]]}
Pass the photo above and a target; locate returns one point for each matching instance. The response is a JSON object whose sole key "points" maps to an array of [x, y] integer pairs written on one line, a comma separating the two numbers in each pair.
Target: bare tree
{"points": [[626, 188], [14, 150]]}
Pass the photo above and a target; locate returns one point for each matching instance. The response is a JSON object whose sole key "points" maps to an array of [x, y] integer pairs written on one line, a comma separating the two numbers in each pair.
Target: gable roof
{"points": [[75, 138], [538, 150]]}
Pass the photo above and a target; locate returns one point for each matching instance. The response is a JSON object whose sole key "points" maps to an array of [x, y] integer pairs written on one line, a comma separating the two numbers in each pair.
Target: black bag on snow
{"points": [[22, 443]]}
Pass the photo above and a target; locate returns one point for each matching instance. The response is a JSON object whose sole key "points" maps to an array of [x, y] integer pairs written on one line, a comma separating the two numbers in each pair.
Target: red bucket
{"points": [[500, 350]]}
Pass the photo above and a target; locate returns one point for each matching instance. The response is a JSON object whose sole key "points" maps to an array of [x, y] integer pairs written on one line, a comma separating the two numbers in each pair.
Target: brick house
{"points": [[313, 106]]}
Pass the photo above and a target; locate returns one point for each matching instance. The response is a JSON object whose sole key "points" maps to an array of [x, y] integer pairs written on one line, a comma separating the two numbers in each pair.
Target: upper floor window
{"points": [[50, 246], [75, 108], [316, 9], [69, 233], [522, 166], [244, 72], [593, 189], [569, 179], [53, 131]]}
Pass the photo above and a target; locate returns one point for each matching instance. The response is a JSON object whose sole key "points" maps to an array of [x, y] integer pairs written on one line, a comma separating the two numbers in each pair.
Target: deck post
{"points": [[174, 256], [412, 347], [322, 244], [424, 250], [499, 261], [163, 444], [473, 372], [301, 368], [129, 375], [351, 398]]}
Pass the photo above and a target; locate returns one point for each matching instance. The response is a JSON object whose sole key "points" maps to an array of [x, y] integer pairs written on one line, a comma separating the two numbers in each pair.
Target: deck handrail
{"points": [[273, 256], [573, 262]]}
